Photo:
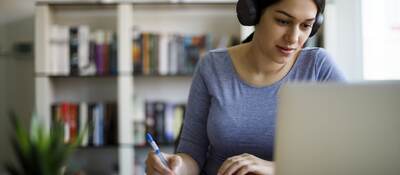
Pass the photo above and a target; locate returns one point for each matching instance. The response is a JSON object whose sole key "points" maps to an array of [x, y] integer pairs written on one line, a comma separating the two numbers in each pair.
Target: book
{"points": [[84, 62], [163, 120], [159, 115], [150, 118], [59, 60], [83, 123], [73, 50]]}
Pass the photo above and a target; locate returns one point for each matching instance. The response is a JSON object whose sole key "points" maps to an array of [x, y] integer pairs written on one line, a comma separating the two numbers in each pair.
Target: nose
{"points": [[292, 35]]}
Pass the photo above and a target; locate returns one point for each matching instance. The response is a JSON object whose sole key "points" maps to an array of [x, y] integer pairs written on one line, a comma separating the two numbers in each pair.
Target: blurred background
{"points": [[130, 70]]}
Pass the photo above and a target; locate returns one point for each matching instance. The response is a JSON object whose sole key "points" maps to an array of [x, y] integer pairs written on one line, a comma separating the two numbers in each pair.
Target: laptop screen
{"points": [[338, 129]]}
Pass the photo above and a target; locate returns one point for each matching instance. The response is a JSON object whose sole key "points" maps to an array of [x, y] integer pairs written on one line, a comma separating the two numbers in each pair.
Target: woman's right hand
{"points": [[154, 166]]}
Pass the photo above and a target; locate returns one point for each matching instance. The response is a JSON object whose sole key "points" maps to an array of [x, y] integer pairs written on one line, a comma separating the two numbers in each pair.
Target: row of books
{"points": [[172, 54], [162, 119], [75, 50], [96, 121]]}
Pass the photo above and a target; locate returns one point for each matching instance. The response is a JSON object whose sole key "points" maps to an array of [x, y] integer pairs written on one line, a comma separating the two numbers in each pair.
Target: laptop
{"points": [[338, 129]]}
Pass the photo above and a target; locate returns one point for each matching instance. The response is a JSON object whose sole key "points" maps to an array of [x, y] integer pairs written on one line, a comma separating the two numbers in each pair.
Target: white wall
{"points": [[343, 36]]}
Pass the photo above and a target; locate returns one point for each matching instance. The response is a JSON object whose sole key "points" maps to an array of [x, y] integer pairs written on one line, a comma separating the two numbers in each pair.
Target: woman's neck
{"points": [[256, 68], [258, 63]]}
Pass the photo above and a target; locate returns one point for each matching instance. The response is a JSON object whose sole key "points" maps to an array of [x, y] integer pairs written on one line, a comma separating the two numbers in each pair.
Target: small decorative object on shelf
{"points": [[39, 152]]}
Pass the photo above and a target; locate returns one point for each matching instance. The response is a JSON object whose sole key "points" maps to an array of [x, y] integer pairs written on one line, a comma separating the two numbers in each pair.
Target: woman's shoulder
{"points": [[323, 63], [217, 53], [215, 57], [315, 55], [315, 52]]}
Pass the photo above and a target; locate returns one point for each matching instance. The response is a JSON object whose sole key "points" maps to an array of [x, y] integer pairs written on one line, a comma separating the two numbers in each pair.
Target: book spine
{"points": [[83, 123], [84, 49], [73, 51]]}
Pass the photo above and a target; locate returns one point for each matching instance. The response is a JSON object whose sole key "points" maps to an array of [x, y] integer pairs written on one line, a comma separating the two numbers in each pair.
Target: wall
{"points": [[3, 127], [21, 69], [5, 148], [2, 73], [343, 36], [16, 80]]}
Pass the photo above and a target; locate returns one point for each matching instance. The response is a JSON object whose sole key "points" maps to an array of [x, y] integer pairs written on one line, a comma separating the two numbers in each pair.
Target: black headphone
{"points": [[249, 14]]}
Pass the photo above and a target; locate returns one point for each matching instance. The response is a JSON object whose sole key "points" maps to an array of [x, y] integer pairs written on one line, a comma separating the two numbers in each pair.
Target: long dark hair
{"points": [[263, 4]]}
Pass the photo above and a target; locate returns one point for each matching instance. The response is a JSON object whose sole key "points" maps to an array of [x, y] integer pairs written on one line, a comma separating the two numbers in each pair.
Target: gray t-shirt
{"points": [[226, 116]]}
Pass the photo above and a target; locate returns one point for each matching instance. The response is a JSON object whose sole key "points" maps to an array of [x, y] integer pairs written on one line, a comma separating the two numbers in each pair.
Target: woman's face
{"points": [[284, 28]]}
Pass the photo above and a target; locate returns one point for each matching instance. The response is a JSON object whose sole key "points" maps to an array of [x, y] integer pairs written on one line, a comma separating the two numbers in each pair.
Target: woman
{"points": [[230, 119]]}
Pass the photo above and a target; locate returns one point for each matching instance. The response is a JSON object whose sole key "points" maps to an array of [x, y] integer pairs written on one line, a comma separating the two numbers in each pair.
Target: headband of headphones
{"points": [[249, 14]]}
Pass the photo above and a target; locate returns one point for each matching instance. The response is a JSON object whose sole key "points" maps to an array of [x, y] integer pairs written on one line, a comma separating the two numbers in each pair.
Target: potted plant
{"points": [[39, 152]]}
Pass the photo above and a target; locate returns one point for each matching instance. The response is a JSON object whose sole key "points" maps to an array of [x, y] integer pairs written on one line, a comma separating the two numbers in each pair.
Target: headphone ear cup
{"points": [[247, 13], [317, 24]]}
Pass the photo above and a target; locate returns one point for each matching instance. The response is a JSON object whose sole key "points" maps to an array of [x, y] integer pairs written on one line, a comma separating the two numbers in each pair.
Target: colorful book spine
{"points": [[74, 50], [172, 54]]}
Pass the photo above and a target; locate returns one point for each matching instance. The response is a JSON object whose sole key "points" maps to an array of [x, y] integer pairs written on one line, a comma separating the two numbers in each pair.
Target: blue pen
{"points": [[153, 144]]}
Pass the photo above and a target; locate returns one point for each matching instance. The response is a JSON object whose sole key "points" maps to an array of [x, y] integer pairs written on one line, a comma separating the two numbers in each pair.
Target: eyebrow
{"points": [[291, 16]]}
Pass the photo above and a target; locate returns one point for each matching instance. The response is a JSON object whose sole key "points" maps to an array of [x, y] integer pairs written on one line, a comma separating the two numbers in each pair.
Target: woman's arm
{"points": [[193, 142], [189, 166]]}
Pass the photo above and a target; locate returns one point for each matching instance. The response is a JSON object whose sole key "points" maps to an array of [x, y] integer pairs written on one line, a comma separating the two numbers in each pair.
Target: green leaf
{"points": [[39, 152]]}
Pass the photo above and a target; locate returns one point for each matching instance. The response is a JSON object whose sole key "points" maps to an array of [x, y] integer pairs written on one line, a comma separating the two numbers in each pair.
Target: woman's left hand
{"points": [[246, 164]]}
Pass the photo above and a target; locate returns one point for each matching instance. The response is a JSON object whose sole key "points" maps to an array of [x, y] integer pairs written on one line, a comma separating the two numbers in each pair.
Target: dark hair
{"points": [[261, 5]]}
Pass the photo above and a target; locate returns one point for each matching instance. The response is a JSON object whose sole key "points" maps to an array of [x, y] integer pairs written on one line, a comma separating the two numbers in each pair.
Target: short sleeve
{"points": [[327, 69], [194, 139]]}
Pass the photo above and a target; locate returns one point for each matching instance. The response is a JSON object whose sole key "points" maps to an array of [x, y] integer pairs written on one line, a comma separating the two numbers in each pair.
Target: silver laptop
{"points": [[338, 129]]}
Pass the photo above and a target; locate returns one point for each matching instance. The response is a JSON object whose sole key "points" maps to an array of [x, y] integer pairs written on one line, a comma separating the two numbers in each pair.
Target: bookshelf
{"points": [[54, 85], [61, 79]]}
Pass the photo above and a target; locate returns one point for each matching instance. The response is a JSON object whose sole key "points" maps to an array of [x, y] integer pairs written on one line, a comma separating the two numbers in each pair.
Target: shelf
{"points": [[134, 2], [79, 76], [180, 4], [165, 76], [148, 147], [63, 3], [104, 147], [115, 76], [123, 146]]}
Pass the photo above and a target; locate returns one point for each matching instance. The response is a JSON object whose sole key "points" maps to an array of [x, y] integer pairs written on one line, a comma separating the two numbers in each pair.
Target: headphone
{"points": [[249, 14]]}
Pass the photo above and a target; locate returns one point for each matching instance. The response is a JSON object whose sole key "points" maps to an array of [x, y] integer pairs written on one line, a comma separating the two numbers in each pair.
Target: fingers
{"points": [[244, 170], [233, 164], [246, 164], [155, 166], [174, 162], [236, 166]]}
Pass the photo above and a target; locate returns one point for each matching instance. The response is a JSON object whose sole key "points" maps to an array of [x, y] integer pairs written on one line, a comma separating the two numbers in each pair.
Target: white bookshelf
{"points": [[186, 17]]}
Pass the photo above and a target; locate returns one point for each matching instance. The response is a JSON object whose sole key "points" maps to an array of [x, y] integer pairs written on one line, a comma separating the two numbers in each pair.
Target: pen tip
{"points": [[148, 137]]}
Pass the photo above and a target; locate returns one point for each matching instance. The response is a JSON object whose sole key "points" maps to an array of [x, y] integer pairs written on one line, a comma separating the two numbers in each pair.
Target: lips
{"points": [[286, 50]]}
